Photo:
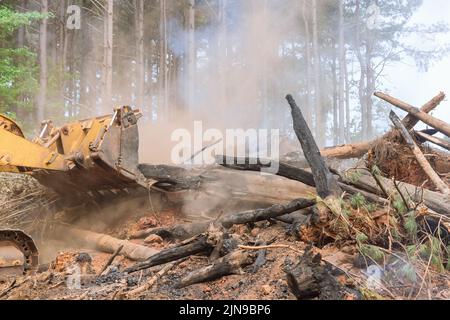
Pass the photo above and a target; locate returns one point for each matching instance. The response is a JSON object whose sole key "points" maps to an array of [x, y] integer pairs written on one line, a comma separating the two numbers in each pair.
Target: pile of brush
{"points": [[24, 203]]}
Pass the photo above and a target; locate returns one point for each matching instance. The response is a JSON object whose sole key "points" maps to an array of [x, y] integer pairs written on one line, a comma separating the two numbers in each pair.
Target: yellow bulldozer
{"points": [[87, 158]]}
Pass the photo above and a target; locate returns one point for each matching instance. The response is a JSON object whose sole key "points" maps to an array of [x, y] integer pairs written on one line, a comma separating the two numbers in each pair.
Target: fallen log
{"points": [[325, 183], [215, 186], [170, 178], [437, 124], [250, 187], [367, 186], [347, 151], [227, 265], [358, 150], [104, 242], [272, 212], [423, 162], [291, 172], [185, 231], [197, 246], [256, 165], [437, 141], [296, 216], [179, 232]]}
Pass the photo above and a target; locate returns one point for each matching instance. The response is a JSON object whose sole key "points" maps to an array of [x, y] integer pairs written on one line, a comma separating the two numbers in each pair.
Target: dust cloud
{"points": [[238, 76]]}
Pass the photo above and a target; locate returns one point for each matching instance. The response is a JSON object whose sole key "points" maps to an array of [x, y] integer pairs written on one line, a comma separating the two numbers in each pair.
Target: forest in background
{"points": [[227, 62]]}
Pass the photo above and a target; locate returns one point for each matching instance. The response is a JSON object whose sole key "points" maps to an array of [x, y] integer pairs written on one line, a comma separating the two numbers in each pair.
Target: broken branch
{"points": [[110, 260], [437, 124], [357, 150], [423, 162], [151, 282], [437, 141]]}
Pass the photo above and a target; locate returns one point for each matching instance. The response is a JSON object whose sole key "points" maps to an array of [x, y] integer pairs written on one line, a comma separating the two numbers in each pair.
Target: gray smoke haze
{"points": [[235, 71]]}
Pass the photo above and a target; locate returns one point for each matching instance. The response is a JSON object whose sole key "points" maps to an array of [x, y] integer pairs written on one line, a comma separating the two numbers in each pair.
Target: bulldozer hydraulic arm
{"points": [[19, 152]]}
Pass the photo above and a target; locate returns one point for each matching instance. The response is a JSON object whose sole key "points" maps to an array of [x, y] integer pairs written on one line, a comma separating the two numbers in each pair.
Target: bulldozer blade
{"points": [[85, 157]]}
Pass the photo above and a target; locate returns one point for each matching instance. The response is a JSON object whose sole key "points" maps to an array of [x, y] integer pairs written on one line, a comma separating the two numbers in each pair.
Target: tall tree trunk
{"points": [[108, 56], [87, 77], [305, 15], [347, 103], [22, 7], [342, 73], [163, 108], [320, 118], [191, 54], [370, 88], [363, 69], [149, 57], [265, 71], [42, 99], [140, 67], [335, 93]]}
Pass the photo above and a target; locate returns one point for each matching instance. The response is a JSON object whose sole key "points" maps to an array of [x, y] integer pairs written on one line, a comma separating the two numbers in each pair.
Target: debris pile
{"points": [[376, 230]]}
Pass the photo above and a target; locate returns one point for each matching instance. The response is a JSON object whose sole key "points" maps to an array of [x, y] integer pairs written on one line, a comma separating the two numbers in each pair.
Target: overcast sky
{"points": [[407, 83]]}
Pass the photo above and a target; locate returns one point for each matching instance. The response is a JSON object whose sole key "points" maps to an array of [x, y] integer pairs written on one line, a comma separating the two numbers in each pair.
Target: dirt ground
{"points": [[255, 283]]}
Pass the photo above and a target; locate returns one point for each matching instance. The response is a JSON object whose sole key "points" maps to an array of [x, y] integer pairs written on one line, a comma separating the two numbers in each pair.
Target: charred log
{"points": [[228, 265]]}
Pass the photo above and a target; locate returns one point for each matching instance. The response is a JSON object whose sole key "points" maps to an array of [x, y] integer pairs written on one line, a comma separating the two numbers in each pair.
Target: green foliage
{"points": [[357, 201], [432, 252], [354, 176], [376, 170], [369, 251], [435, 253], [399, 205], [394, 230], [11, 20], [372, 252], [361, 238], [18, 67], [18, 72], [411, 224], [371, 207]]}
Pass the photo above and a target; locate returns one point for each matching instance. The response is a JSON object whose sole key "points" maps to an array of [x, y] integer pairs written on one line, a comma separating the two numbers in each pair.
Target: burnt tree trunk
{"points": [[326, 185]]}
